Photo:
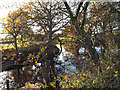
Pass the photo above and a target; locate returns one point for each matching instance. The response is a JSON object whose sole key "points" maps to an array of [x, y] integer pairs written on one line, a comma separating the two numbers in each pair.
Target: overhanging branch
{"points": [[78, 9], [68, 8]]}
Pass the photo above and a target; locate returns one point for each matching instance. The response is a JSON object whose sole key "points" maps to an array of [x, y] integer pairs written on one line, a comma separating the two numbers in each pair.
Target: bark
{"points": [[80, 29], [88, 45], [15, 42]]}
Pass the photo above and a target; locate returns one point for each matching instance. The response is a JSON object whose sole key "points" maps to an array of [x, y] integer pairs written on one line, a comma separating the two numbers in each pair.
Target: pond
{"points": [[62, 65]]}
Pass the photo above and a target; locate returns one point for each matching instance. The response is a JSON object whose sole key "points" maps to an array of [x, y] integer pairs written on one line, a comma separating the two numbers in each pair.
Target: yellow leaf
{"points": [[116, 71], [38, 53], [18, 59], [3, 18], [15, 62], [8, 56], [69, 30], [12, 58], [35, 61], [92, 3], [30, 60], [108, 67], [37, 57], [17, 21], [29, 3], [42, 49], [13, 54], [83, 74], [4, 58], [20, 53]]}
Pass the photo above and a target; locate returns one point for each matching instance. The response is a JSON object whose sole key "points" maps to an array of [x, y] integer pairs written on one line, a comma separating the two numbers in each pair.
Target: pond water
{"points": [[36, 73], [2, 78]]}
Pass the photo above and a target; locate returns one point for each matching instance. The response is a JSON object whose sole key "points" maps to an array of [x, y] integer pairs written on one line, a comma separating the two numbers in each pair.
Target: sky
{"points": [[9, 5], [6, 6]]}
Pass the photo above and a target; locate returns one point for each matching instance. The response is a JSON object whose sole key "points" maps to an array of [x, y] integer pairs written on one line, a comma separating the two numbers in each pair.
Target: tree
{"points": [[103, 24], [48, 16], [79, 26], [106, 16], [71, 40], [16, 24]]}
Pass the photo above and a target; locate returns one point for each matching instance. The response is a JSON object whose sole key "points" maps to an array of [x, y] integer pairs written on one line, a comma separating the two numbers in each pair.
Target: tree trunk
{"points": [[88, 45], [16, 47], [92, 52], [22, 40], [15, 42]]}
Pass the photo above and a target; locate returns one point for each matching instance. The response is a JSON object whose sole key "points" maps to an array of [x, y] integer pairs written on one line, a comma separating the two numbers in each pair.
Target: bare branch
{"points": [[59, 22], [68, 8], [78, 9], [85, 9], [63, 26]]}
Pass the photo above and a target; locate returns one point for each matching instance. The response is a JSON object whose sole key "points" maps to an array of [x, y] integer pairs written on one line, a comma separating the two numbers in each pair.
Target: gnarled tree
{"points": [[79, 23]]}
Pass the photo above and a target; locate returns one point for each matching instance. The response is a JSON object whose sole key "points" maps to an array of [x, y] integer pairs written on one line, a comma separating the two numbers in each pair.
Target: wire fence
{"points": [[98, 75], [109, 81], [114, 82]]}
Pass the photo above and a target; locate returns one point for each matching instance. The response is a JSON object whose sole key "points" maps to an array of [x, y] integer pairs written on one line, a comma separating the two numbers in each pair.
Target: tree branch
{"points": [[78, 9], [63, 26], [68, 8], [85, 9]]}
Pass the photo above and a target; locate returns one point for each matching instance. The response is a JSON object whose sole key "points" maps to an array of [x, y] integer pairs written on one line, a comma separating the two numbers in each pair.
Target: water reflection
{"points": [[34, 74], [49, 70], [66, 62]]}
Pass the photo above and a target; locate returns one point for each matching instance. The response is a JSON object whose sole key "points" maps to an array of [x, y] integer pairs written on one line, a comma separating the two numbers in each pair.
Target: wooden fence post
{"points": [[7, 83]]}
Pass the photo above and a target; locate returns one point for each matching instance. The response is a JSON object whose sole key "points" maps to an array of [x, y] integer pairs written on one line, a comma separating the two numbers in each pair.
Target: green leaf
{"points": [[54, 77], [58, 77], [67, 82]]}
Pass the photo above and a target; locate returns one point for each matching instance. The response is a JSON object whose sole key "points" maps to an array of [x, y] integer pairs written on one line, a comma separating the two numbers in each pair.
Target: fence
{"points": [[101, 74]]}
